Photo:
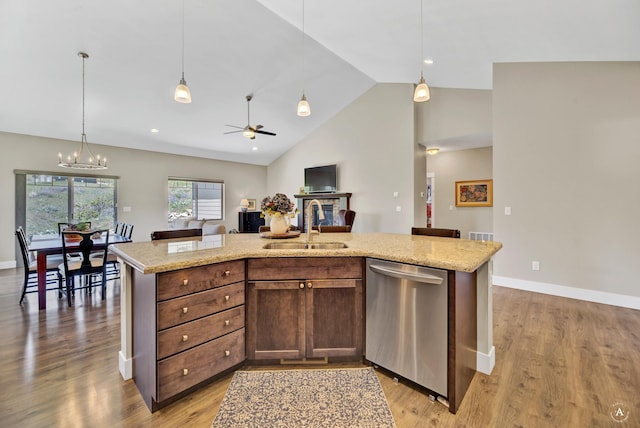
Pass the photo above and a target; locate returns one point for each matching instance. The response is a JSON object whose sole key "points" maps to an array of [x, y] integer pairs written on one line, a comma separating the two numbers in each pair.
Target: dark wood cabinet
{"points": [[188, 327], [304, 308], [249, 221]]}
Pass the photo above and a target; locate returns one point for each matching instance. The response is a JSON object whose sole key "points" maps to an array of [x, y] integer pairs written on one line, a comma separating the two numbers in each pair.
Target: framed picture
{"points": [[252, 205], [474, 193]]}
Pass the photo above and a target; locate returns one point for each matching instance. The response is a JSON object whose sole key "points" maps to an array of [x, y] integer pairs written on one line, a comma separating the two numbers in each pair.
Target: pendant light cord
{"points": [[303, 49], [421, 39], [182, 39], [84, 136]]}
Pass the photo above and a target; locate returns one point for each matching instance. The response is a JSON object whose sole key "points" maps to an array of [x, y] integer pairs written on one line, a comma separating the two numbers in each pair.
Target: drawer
{"points": [[188, 308], [193, 280], [304, 268], [184, 370], [185, 336]]}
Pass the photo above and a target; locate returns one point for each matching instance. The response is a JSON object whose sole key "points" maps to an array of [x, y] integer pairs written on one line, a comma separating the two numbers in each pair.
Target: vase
{"points": [[278, 224]]}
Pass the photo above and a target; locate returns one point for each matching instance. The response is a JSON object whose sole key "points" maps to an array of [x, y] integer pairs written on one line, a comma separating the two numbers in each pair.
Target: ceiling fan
{"points": [[249, 131]]}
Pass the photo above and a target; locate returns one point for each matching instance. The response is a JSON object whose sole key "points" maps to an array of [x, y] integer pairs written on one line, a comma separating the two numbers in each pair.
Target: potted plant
{"points": [[279, 208]]}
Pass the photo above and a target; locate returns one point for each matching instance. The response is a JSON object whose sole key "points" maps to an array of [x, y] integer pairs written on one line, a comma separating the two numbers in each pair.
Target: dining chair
{"points": [[88, 268], [175, 233], [127, 230], [30, 284], [430, 231], [118, 228], [333, 229]]}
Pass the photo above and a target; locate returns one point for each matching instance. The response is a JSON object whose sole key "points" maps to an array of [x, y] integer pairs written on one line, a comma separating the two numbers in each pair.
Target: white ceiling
{"points": [[239, 47]]}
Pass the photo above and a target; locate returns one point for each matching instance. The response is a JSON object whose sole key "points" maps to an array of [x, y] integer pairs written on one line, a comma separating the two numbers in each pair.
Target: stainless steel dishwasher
{"points": [[406, 322]]}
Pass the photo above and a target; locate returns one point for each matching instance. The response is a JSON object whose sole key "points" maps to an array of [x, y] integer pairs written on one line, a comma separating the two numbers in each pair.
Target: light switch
{"points": [[126, 209], [398, 208], [507, 210], [395, 194]]}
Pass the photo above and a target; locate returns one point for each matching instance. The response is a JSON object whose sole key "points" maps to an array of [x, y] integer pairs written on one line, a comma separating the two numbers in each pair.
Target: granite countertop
{"points": [[173, 254]]}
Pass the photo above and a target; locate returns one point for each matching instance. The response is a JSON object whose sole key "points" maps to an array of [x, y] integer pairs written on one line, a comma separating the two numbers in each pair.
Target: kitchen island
{"points": [[218, 268]]}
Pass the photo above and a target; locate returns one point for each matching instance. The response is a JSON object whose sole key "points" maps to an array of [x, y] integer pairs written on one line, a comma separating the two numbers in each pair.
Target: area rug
{"points": [[336, 398]]}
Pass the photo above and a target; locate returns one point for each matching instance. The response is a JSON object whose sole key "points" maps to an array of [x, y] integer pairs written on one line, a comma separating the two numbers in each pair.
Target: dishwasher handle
{"points": [[411, 276]]}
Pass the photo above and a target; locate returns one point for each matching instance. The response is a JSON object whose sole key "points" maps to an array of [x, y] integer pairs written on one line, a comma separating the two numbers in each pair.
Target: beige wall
{"points": [[142, 185], [372, 141], [454, 113], [449, 167], [565, 159]]}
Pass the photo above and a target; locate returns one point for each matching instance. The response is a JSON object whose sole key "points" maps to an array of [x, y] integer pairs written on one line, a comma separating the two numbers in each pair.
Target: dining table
{"points": [[46, 245]]}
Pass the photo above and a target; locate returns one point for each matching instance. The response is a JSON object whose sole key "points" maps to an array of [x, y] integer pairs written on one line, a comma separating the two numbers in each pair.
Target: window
{"points": [[199, 199], [44, 200]]}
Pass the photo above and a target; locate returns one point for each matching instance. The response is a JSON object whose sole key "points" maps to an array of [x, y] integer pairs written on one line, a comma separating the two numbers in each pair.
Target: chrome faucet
{"points": [[310, 218]]}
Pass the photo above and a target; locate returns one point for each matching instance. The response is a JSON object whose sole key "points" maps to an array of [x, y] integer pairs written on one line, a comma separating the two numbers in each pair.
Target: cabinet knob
{"points": [[185, 337], [227, 272], [227, 353], [185, 372], [226, 322], [302, 285], [185, 281], [226, 298], [185, 310], [310, 285]]}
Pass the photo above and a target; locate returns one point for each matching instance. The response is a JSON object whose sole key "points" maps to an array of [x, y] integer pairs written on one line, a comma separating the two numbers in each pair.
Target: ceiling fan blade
{"points": [[259, 126], [233, 132], [233, 126], [257, 131]]}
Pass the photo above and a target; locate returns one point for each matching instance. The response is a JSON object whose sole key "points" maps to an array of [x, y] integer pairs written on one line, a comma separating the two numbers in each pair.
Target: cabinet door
{"points": [[334, 318], [275, 320]]}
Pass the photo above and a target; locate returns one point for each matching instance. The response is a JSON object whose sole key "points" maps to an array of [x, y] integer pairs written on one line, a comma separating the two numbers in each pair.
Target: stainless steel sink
{"points": [[304, 246]]}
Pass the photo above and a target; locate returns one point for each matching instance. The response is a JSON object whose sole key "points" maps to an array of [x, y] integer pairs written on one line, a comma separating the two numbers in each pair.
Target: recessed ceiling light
{"points": [[428, 61], [254, 148], [154, 130]]}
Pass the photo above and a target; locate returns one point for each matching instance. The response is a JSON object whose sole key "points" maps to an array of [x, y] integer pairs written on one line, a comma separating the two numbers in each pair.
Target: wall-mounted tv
{"points": [[321, 179]]}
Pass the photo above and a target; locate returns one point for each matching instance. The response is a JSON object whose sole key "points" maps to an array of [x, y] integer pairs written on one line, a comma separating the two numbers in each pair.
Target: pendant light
{"points": [[421, 94], [76, 161], [183, 94], [303, 104]]}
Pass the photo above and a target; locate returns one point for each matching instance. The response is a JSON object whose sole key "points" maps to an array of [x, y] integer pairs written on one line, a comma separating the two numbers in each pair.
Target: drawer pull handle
{"points": [[185, 372], [227, 353], [310, 285], [185, 310], [302, 285], [227, 272], [226, 298], [185, 281], [226, 322], [185, 337]]}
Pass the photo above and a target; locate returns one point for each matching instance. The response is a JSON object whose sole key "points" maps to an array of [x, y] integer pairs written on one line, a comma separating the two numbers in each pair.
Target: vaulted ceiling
{"points": [[233, 48]]}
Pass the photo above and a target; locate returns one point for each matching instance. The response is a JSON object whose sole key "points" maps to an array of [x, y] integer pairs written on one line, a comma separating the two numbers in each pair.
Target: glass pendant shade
{"points": [[303, 107], [183, 94], [421, 94]]}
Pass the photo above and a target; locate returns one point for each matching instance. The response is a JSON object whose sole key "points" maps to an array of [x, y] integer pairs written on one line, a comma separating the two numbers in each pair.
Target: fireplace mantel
{"points": [[340, 201]]}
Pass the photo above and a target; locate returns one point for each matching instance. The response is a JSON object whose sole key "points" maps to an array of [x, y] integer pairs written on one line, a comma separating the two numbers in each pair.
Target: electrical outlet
{"points": [[535, 265], [398, 208], [126, 209]]}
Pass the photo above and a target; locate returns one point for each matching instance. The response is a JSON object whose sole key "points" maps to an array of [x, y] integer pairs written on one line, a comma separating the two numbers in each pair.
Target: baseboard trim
{"points": [[8, 264], [595, 296], [126, 366], [486, 362]]}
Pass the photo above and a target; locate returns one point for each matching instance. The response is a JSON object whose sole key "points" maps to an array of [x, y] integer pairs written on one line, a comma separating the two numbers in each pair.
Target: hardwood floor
{"points": [[559, 363]]}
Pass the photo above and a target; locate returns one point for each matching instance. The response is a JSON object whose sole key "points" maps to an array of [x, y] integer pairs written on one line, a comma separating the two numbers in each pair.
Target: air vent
{"points": [[481, 236]]}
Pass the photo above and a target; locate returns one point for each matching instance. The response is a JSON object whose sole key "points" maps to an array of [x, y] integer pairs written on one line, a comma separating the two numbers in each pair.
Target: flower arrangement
{"points": [[278, 204]]}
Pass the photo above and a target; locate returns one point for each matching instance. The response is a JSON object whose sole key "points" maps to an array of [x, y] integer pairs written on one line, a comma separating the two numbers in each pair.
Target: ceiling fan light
{"points": [[422, 93], [249, 133], [303, 107], [183, 94]]}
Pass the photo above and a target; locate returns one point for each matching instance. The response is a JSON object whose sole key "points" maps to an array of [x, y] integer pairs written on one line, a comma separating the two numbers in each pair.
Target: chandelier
{"points": [[76, 161]]}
